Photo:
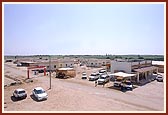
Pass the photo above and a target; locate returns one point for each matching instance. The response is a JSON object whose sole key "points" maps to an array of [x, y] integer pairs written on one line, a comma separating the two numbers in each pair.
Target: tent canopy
{"points": [[122, 74]]}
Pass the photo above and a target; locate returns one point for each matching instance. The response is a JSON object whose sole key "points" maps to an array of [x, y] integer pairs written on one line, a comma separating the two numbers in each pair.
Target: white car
{"points": [[117, 82], [39, 93], [20, 93], [102, 71], [94, 76], [159, 78], [126, 85], [84, 75], [104, 78]]}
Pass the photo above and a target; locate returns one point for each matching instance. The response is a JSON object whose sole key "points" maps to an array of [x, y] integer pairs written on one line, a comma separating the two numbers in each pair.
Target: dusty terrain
{"points": [[75, 94]]}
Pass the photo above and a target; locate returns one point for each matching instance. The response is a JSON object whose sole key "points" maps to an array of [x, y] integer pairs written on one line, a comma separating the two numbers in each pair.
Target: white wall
{"points": [[125, 66], [135, 63], [142, 62]]}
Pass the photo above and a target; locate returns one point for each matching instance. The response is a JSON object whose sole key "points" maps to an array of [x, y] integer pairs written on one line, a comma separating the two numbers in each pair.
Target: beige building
{"points": [[97, 62], [55, 63]]}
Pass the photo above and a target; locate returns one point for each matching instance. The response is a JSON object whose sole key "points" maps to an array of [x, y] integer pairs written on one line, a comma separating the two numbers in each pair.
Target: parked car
{"points": [[159, 78], [20, 93], [39, 93], [94, 76], [104, 78], [84, 75], [117, 82], [126, 85], [102, 71]]}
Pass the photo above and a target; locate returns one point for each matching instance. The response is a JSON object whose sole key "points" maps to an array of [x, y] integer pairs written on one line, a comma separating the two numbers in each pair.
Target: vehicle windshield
{"points": [[101, 77], [128, 83], [119, 80], [93, 74], [40, 91], [21, 92]]}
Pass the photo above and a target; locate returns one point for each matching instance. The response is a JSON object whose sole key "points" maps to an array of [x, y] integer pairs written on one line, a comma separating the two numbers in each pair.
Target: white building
{"points": [[142, 68]]}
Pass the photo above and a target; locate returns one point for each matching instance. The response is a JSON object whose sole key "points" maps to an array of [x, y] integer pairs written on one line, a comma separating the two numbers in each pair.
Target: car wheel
{"points": [[121, 88]]}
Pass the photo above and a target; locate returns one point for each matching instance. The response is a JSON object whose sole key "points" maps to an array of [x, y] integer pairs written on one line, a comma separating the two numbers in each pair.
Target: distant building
{"points": [[55, 64], [97, 62]]}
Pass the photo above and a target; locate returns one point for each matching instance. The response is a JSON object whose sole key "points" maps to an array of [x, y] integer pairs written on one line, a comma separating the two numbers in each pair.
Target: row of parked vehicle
{"points": [[101, 76], [38, 92]]}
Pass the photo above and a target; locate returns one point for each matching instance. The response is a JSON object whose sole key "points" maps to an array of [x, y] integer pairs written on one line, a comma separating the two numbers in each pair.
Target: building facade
{"points": [[142, 68]]}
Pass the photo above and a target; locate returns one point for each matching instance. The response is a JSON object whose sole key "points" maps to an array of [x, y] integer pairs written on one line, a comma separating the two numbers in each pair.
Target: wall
{"points": [[125, 66]]}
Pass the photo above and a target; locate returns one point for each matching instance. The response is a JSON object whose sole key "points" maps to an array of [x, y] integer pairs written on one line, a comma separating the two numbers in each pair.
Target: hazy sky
{"points": [[83, 29]]}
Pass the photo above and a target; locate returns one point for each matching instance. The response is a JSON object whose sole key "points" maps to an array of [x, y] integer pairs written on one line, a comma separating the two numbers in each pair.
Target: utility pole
{"points": [[50, 69]]}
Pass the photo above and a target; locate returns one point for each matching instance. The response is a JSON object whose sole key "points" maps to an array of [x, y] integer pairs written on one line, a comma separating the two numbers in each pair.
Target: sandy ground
{"points": [[75, 94]]}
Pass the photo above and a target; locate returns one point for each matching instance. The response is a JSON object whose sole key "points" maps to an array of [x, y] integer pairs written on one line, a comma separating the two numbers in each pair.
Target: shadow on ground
{"points": [[14, 99], [35, 99], [119, 88]]}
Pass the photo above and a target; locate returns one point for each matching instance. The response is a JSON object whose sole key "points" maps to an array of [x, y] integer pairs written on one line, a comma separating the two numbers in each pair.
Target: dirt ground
{"points": [[75, 94]]}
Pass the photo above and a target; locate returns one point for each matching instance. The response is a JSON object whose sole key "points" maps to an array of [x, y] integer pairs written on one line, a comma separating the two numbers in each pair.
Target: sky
{"points": [[83, 29]]}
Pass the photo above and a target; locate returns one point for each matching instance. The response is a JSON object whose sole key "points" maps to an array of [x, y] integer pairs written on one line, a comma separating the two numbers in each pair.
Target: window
{"points": [[54, 66]]}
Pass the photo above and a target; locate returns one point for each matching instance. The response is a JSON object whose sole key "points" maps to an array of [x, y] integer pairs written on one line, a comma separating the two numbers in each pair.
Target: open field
{"points": [[75, 94]]}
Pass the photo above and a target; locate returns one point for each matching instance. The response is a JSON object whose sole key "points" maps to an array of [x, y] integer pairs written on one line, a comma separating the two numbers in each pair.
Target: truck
{"points": [[65, 73]]}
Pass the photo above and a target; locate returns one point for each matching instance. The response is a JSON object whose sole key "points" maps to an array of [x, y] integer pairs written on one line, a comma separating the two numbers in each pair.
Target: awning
{"points": [[145, 69], [122, 74]]}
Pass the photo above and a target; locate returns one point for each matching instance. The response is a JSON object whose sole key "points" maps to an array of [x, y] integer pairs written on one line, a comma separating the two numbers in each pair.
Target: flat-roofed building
{"points": [[160, 65], [142, 68]]}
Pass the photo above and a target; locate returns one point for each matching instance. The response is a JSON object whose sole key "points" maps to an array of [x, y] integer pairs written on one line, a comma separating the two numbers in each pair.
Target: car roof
{"points": [[20, 89], [102, 70], [39, 88], [94, 73], [103, 75]]}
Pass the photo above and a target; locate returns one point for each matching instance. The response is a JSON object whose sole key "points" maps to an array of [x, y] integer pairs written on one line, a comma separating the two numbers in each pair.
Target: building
{"points": [[160, 65], [96, 62], [54, 64], [142, 68]]}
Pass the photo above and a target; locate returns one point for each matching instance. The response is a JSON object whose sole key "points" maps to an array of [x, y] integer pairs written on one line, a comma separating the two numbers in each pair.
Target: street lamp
{"points": [[50, 69]]}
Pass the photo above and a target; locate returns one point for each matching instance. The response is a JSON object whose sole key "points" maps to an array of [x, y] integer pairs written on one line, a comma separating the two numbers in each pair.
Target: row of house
{"points": [[50, 65], [143, 69]]}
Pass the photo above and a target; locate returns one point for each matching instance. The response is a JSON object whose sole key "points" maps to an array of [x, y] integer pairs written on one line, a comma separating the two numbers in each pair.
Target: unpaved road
{"points": [[81, 95]]}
